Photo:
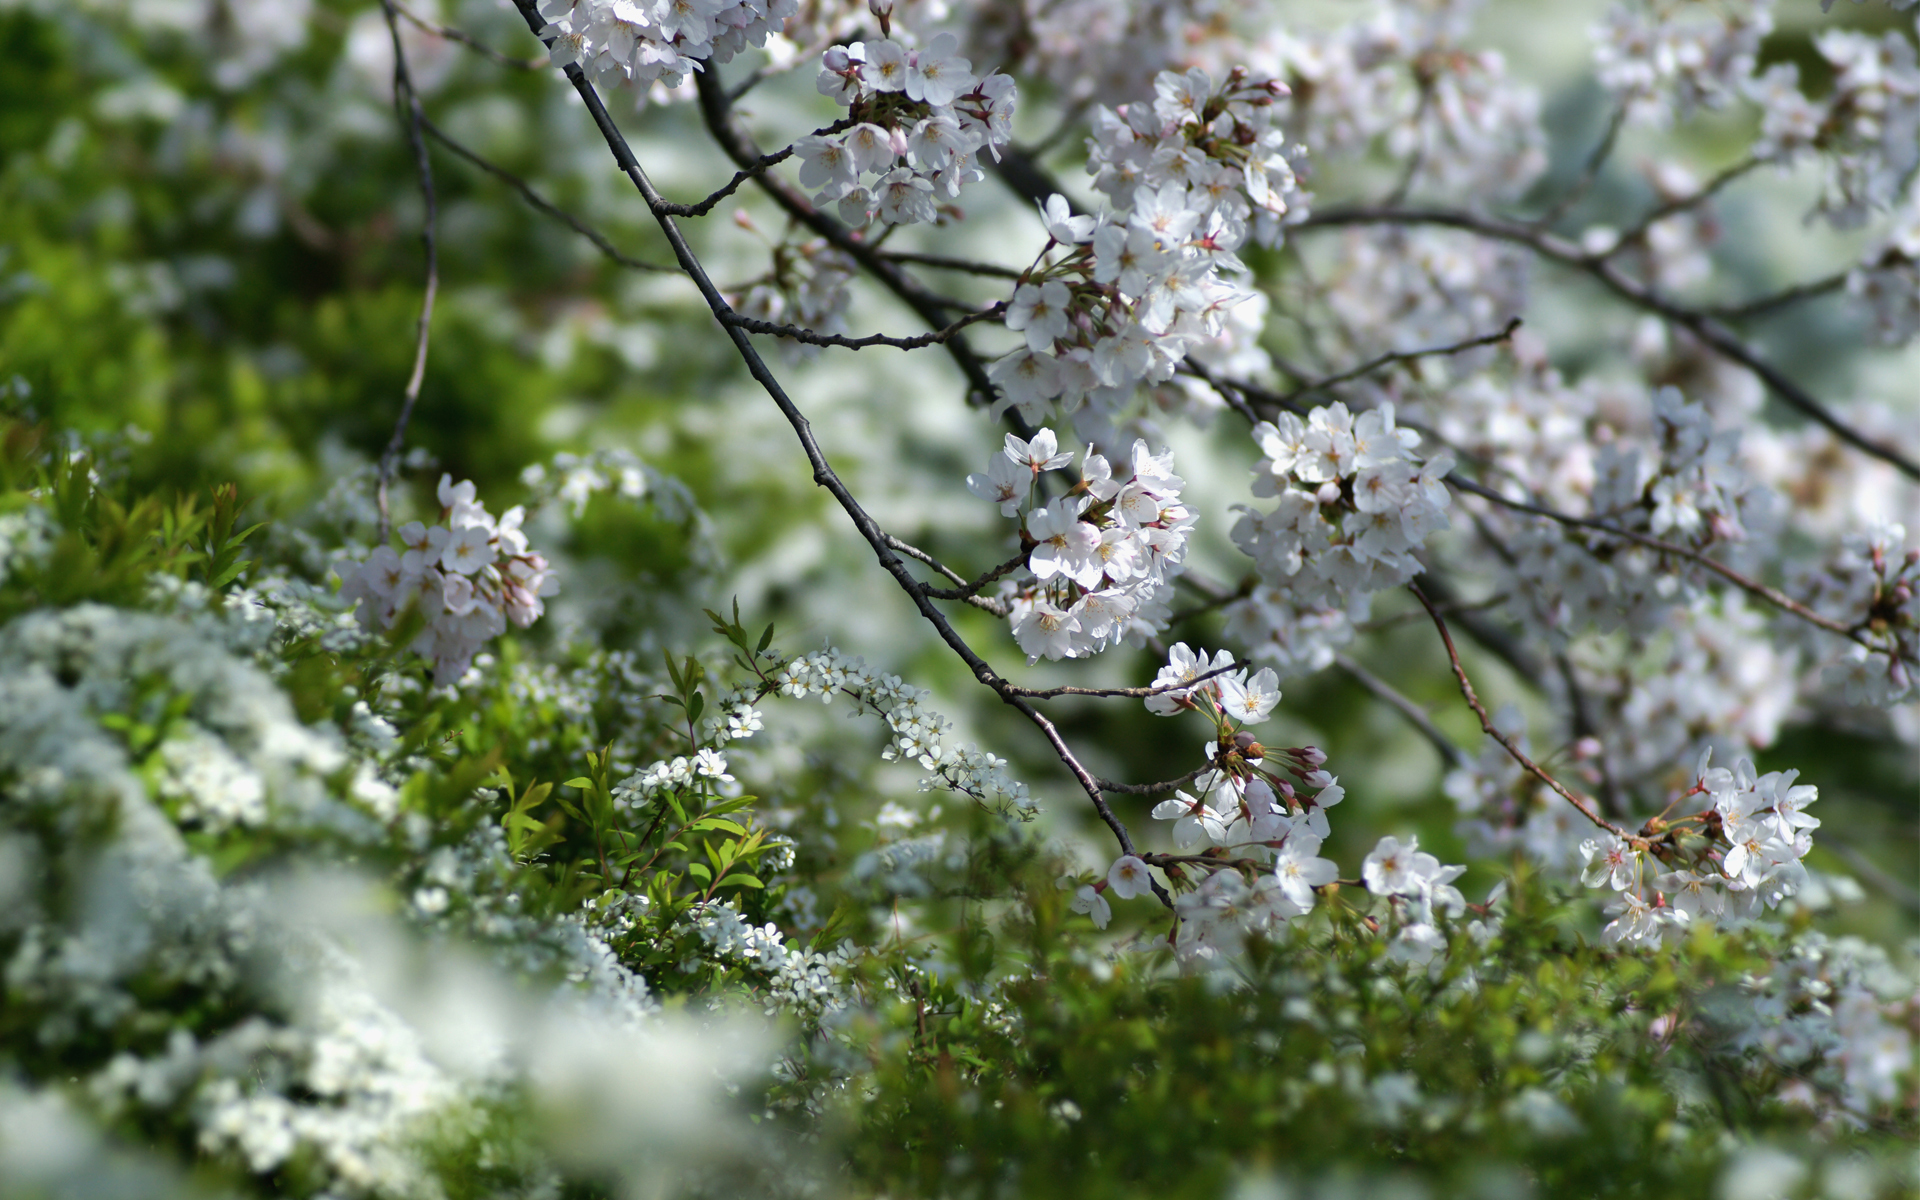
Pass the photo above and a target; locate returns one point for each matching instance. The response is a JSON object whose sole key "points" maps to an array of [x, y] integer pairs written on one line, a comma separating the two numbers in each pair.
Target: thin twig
{"points": [[1754, 587], [404, 93], [1154, 789], [1780, 299], [914, 552], [1582, 803], [717, 113], [541, 203], [1139, 693], [968, 589], [1291, 400], [1589, 173], [1680, 204], [918, 342], [752, 170], [823, 473], [944, 263], [1609, 274], [470, 42], [1415, 715]]}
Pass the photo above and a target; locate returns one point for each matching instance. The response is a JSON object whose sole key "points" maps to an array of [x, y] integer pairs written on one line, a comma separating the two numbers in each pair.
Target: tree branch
{"points": [[1753, 587], [403, 93], [1557, 249], [541, 203], [1415, 715], [752, 170], [1582, 803], [716, 110], [823, 473], [470, 42], [798, 334]]}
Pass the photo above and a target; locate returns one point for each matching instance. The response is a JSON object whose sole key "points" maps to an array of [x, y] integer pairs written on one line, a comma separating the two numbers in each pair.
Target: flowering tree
{"points": [[1331, 374]]}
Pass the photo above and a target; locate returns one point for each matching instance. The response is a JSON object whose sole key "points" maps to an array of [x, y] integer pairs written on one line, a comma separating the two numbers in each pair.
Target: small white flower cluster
{"points": [[921, 118], [917, 732], [707, 768], [1695, 494], [26, 537], [807, 285], [575, 479], [1134, 291], [1664, 64], [1219, 145], [1837, 1015], [1757, 835], [1103, 556], [1866, 126], [641, 42], [1403, 76], [1355, 503], [798, 981], [468, 577], [1416, 884], [1887, 280], [1872, 583]]}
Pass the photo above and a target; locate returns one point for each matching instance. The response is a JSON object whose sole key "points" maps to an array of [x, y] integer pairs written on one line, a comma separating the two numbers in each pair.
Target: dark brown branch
{"points": [[1792, 295], [823, 473], [404, 94], [1290, 401], [1754, 587], [1139, 693], [1154, 789], [1415, 715], [470, 42], [967, 589], [1582, 803], [951, 264], [752, 170], [920, 341], [717, 113], [1609, 274], [1589, 173], [541, 203]]}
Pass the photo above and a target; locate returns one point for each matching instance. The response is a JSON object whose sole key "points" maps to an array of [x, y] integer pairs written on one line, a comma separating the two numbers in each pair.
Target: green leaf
{"points": [[706, 823], [700, 872], [580, 781], [746, 881]]}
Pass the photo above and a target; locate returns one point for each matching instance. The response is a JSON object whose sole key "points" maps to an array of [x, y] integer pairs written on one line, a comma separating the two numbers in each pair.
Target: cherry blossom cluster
{"points": [[920, 118], [1266, 810], [1837, 1016], [1887, 279], [641, 42], [1101, 557], [1695, 493], [806, 285], [1405, 77], [468, 576], [1743, 855], [1416, 885], [1354, 504], [1132, 292], [1871, 583], [1662, 61]]}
